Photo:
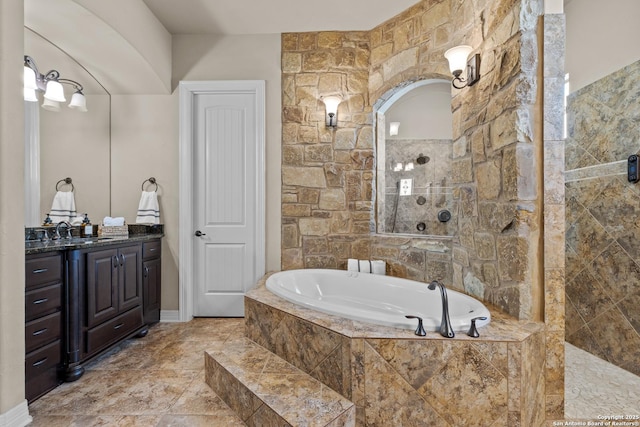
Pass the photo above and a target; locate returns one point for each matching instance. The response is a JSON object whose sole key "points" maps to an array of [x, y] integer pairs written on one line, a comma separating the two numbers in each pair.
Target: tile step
{"points": [[264, 389]]}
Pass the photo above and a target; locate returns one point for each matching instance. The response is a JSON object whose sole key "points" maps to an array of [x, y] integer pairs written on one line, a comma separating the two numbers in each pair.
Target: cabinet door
{"points": [[102, 286], [151, 290], [130, 277]]}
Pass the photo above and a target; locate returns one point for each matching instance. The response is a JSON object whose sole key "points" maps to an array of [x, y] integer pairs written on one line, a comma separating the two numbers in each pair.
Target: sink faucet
{"points": [[446, 330], [67, 227]]}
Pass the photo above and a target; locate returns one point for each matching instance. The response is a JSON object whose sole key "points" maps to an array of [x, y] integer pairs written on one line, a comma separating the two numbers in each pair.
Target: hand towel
{"points": [[148, 209], [111, 222], [379, 267], [63, 207], [364, 266]]}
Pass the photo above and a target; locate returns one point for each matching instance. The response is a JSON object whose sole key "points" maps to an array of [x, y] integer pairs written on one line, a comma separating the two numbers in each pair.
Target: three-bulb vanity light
{"points": [[331, 110], [459, 60], [51, 85]]}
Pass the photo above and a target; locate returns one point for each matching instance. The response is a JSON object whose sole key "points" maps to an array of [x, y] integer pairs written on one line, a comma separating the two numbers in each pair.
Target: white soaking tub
{"points": [[377, 299]]}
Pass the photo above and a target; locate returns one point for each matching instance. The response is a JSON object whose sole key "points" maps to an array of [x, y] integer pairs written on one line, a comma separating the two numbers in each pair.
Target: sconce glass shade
{"points": [[78, 102], [30, 95], [54, 91], [50, 105], [30, 79], [331, 109], [393, 128], [331, 103], [457, 57]]}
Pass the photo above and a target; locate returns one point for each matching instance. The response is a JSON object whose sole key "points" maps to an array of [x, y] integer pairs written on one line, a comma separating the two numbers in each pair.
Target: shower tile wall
{"points": [[430, 181], [603, 230]]}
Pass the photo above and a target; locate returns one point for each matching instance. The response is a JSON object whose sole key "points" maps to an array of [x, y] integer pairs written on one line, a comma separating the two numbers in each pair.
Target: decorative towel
{"points": [[148, 209], [367, 266], [113, 222], [63, 207]]}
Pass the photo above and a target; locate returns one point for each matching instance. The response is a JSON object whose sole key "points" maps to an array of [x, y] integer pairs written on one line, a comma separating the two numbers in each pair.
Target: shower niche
{"points": [[414, 152]]}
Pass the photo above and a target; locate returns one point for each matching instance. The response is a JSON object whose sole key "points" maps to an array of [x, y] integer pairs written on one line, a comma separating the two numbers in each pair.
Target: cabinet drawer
{"points": [[43, 301], [40, 361], [151, 249], [43, 270], [101, 336], [42, 331]]}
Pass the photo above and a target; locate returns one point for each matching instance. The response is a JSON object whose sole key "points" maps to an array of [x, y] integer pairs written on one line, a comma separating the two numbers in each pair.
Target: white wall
{"points": [[144, 138], [602, 37]]}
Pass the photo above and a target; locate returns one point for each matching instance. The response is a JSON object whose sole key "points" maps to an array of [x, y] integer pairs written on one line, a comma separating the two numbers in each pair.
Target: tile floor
{"points": [[159, 381]]}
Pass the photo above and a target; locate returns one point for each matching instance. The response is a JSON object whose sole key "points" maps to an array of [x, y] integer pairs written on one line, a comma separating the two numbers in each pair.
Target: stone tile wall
{"points": [[554, 208], [602, 250], [498, 155], [328, 174], [431, 192]]}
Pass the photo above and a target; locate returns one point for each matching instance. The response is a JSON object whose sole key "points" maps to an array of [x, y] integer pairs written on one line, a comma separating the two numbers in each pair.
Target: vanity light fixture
{"points": [[393, 128], [331, 110], [51, 85], [459, 60]]}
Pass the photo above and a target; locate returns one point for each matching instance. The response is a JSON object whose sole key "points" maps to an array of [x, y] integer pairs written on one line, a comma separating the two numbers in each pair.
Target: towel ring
{"points": [[152, 180], [66, 181]]}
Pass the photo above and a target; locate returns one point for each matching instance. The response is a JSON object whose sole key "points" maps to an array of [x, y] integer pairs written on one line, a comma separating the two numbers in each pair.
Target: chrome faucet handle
{"points": [[420, 329], [473, 331]]}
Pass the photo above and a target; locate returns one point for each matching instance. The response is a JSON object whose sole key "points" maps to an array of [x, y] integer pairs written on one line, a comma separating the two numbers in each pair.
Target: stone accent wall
{"points": [[602, 253], [327, 174], [507, 174]]}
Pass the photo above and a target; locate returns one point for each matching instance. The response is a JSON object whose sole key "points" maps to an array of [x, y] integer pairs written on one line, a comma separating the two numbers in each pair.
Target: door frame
{"points": [[188, 90]]}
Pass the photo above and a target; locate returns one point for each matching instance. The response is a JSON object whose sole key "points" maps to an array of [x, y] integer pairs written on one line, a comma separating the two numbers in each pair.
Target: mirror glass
{"points": [[414, 161], [71, 144]]}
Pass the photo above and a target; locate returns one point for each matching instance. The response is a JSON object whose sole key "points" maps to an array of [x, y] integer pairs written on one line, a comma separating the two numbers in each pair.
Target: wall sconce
{"points": [[459, 60], [331, 110], [393, 128], [51, 85]]}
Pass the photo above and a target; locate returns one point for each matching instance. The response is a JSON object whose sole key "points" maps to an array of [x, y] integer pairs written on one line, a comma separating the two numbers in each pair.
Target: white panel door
{"points": [[225, 192]]}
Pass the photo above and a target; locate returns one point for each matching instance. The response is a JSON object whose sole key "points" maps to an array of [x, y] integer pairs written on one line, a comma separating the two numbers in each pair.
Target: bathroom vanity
{"points": [[82, 298]]}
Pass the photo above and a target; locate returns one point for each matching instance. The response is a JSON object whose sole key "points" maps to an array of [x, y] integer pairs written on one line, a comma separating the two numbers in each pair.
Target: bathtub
{"points": [[377, 299]]}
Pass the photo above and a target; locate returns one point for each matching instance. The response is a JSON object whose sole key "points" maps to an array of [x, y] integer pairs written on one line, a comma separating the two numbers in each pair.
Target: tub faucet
{"points": [[446, 330]]}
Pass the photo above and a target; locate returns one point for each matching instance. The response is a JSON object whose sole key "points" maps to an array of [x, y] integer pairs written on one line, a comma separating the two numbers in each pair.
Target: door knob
{"points": [[200, 233]]}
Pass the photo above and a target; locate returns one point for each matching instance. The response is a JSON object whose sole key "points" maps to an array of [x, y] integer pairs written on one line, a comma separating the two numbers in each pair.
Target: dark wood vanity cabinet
{"points": [[113, 288], [113, 283], [151, 284], [83, 300], [43, 323]]}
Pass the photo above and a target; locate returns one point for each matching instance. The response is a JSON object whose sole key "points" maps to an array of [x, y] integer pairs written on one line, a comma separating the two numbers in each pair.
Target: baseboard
{"points": [[18, 416], [170, 315]]}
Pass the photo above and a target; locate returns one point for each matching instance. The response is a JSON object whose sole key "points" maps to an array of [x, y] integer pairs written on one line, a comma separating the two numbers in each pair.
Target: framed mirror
{"points": [[414, 152]]}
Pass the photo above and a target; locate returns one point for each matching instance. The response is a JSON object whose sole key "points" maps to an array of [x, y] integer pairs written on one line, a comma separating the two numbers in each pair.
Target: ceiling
{"points": [[236, 17]]}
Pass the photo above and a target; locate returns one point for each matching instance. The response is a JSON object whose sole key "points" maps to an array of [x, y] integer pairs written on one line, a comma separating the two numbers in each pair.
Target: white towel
{"points": [[379, 267], [148, 209], [63, 207], [367, 266], [117, 221], [364, 265]]}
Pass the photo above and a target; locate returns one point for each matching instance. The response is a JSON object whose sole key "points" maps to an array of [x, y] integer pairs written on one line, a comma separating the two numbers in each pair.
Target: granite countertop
{"points": [[37, 247]]}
